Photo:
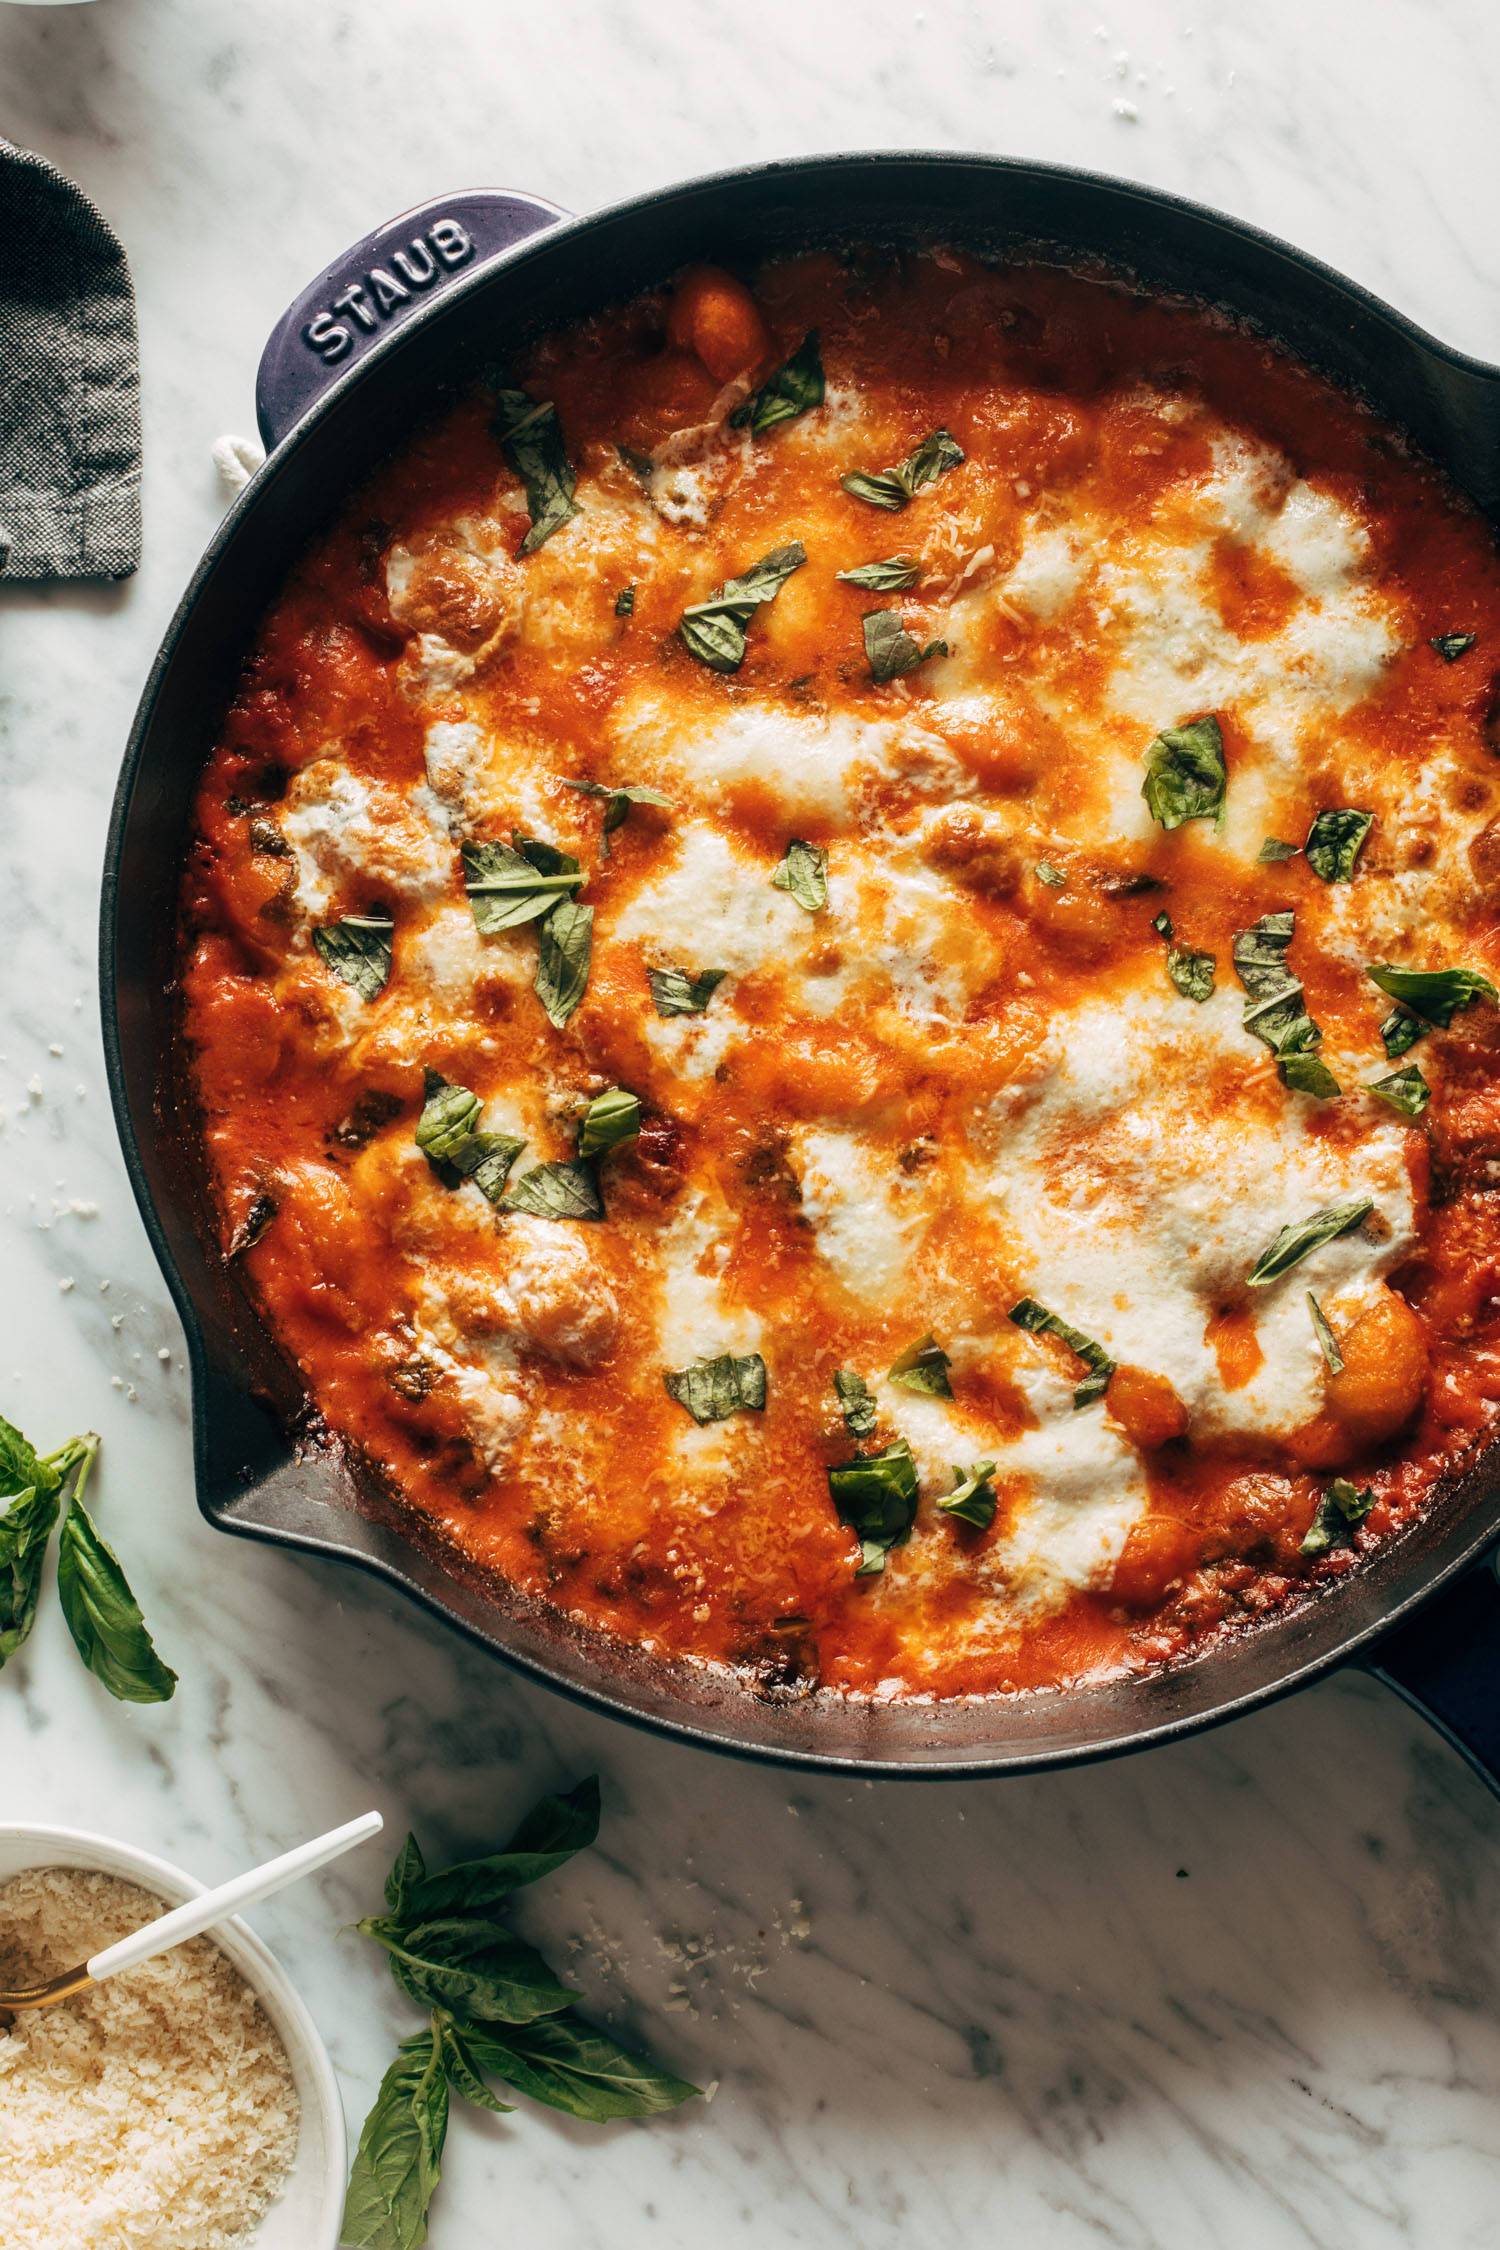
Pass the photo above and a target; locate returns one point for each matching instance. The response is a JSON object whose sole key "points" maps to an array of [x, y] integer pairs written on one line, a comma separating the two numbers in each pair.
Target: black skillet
{"points": [[364, 355]]}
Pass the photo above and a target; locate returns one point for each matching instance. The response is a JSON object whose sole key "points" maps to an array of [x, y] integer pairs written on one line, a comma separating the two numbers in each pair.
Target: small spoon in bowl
{"points": [[190, 1920]]}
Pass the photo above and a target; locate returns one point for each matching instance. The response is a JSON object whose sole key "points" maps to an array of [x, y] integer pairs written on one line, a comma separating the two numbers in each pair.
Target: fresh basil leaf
{"points": [[891, 650], [1053, 877], [640, 464], [531, 434], [1037, 1321], [1400, 1033], [877, 1497], [711, 1389], [449, 1137], [1437, 995], [553, 1832], [253, 1225], [573, 2066], [20, 1468], [359, 950], [855, 1403], [611, 1119], [804, 872], [795, 388], [625, 602], [1294, 1243], [1273, 849], [1275, 1008], [895, 488], [1327, 1341], [103, 1616], [617, 804], [1451, 646], [555, 1191], [923, 1366], [1341, 1508], [25, 1530], [973, 1499], [893, 576], [675, 993], [1192, 973], [507, 888], [1334, 840], [464, 2078], [399, 2158], [471, 1963], [1406, 1090], [714, 630], [1185, 774], [408, 1870], [564, 948]]}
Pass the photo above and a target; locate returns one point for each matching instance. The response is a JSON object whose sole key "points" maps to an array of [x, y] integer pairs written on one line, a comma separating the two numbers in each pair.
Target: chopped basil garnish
{"points": [[1274, 849], [1327, 1342], [1339, 1511], [617, 804], [804, 872], [253, 1225], [675, 993], [1275, 1009], [1186, 774], [532, 437], [877, 1497], [893, 576], [1192, 973], [1406, 1090], [973, 1498], [1436, 995], [1053, 877], [1451, 646], [1295, 1243], [1037, 1321], [1400, 1033], [611, 1119], [555, 1191], [358, 949], [449, 1137], [855, 1403], [923, 1366], [794, 389], [625, 602], [891, 649], [562, 966], [896, 488], [508, 887], [715, 630], [712, 1388], [1334, 840]]}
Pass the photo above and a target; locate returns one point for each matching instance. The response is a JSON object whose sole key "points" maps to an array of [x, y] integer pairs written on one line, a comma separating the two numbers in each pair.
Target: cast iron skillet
{"points": [[364, 354]]}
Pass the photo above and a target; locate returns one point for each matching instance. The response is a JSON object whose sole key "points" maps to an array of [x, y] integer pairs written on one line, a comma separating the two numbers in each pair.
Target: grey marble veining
{"points": [[1243, 1990]]}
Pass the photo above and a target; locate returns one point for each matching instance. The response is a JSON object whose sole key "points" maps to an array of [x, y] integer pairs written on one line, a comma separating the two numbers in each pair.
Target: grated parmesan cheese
{"points": [[156, 2111]]}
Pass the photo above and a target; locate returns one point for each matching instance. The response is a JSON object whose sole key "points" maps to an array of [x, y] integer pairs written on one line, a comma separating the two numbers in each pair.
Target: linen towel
{"points": [[70, 432]]}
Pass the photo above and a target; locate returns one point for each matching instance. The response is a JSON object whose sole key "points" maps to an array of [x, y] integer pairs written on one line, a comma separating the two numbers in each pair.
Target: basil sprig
{"points": [[804, 872], [795, 388], [509, 886], [713, 1389], [677, 992], [876, 1495], [1192, 973], [1340, 1510], [891, 650], [896, 488], [714, 630], [564, 947], [923, 1366], [611, 1119], [617, 804], [1037, 1321], [855, 1402], [973, 1499], [566, 1190], [531, 434], [1275, 1007], [1451, 646], [1294, 1243], [1334, 841], [495, 2010], [892, 576], [1185, 774], [359, 950], [1436, 995], [1407, 1091], [1328, 1343], [451, 1138]]}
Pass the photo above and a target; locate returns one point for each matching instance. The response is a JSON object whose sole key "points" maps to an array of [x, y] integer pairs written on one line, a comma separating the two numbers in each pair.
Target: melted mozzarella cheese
{"points": [[344, 829], [697, 1320], [713, 907], [866, 1223], [814, 764]]}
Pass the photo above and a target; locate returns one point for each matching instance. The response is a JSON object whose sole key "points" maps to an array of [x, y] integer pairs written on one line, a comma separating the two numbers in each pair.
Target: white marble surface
{"points": [[1241, 1991]]}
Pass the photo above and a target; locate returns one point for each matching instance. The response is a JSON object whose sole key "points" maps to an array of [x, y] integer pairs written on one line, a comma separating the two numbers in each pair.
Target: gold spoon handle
{"points": [[42, 1995]]}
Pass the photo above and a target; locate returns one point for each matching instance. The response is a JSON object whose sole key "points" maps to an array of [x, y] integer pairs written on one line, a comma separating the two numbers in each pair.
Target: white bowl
{"points": [[306, 2215]]}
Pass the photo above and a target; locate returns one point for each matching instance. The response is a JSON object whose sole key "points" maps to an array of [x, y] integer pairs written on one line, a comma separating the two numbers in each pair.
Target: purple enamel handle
{"points": [[376, 285]]}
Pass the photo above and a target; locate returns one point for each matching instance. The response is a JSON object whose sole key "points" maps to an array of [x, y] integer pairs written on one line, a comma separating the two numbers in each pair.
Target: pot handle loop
{"points": [[1445, 1661], [377, 284]]}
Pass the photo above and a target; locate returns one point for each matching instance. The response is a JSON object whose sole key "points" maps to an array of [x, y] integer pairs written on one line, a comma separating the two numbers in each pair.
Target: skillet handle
{"points": [[1445, 1661], [376, 285]]}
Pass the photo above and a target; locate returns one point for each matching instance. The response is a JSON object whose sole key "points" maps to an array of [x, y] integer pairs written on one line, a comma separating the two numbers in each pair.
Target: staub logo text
{"points": [[384, 289]]}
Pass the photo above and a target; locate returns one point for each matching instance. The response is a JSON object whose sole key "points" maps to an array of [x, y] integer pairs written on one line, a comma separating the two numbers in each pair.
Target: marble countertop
{"points": [[1242, 1990]]}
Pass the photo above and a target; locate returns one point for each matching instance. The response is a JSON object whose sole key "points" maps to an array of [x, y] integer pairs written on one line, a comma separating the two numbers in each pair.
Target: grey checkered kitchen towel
{"points": [[70, 430]]}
